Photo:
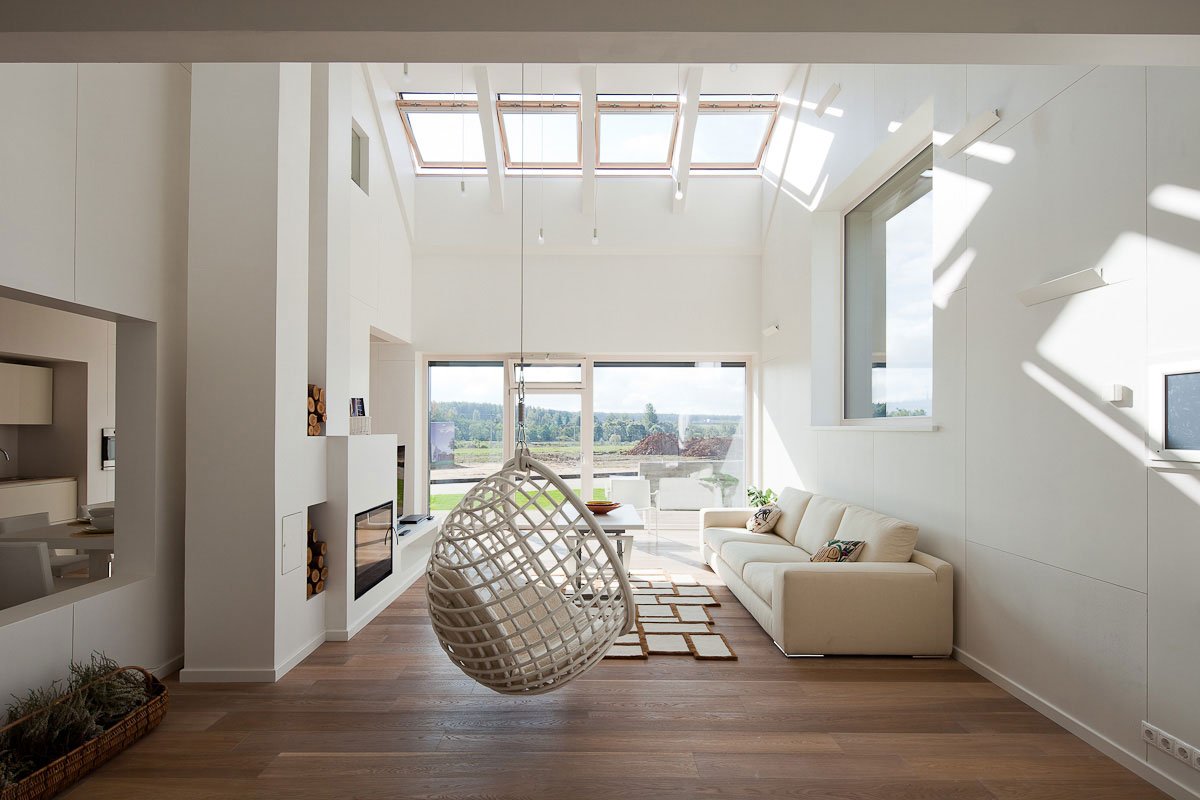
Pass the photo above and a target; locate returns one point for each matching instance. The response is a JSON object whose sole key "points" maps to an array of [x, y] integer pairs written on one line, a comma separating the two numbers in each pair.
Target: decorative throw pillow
{"points": [[838, 550], [764, 518]]}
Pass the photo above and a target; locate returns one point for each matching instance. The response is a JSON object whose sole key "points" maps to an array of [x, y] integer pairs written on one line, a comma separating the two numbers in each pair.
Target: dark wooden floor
{"points": [[387, 716]]}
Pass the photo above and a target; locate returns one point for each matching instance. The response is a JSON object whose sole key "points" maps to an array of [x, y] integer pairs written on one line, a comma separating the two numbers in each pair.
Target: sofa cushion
{"points": [[792, 504], [820, 523], [760, 577], [886, 539], [838, 550], [738, 554], [763, 519], [716, 538]]}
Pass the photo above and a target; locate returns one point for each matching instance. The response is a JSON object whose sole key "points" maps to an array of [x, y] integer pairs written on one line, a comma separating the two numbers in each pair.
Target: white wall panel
{"points": [[37, 178], [1076, 642], [1038, 374], [132, 191]]}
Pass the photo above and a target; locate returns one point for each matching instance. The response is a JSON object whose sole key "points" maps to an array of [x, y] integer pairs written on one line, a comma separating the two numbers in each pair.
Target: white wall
{"points": [[1034, 487], [658, 282], [93, 198]]}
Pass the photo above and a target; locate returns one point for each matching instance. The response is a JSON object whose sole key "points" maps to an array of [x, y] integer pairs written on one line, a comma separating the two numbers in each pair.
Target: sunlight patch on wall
{"points": [[951, 278], [990, 151], [959, 200], [1176, 200], [810, 150], [1087, 409]]}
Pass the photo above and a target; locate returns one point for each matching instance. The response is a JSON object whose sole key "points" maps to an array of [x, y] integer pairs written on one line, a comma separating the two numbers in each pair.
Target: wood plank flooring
{"points": [[386, 716]]}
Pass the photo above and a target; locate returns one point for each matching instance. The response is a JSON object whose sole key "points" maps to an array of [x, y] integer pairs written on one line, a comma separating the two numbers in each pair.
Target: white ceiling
{"points": [[610, 78]]}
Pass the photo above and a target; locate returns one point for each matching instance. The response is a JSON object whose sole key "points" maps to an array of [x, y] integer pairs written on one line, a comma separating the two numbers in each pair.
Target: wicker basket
{"points": [[63, 772]]}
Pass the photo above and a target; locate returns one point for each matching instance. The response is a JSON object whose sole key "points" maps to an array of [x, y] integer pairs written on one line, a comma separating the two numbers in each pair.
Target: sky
{"points": [[672, 390]]}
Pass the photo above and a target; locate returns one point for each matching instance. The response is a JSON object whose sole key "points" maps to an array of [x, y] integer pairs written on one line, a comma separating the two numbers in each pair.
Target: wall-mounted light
{"points": [[541, 236], [462, 187], [978, 126], [771, 330], [407, 78], [678, 190], [595, 236]]}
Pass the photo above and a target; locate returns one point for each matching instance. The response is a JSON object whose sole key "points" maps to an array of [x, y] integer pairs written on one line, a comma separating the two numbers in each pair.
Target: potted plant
{"points": [[760, 497]]}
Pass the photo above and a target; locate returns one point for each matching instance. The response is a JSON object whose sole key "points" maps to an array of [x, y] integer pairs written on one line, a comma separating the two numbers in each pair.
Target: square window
{"points": [[443, 130], [732, 130], [888, 295], [635, 131], [539, 131]]}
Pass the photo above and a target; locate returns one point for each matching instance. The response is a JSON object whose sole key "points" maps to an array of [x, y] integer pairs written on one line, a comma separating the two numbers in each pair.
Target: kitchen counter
{"points": [[22, 481]]}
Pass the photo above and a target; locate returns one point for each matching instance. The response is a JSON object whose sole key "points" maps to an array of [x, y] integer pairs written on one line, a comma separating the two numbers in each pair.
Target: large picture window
{"points": [[888, 285]]}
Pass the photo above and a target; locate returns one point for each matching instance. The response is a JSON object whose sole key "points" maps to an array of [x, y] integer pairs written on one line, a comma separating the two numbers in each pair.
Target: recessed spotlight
{"points": [[733, 67]]}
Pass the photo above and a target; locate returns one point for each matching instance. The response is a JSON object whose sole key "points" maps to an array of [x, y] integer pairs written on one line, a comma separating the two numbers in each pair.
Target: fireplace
{"points": [[372, 547]]}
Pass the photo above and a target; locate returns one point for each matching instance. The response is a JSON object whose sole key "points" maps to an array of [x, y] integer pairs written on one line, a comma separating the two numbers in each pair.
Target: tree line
{"points": [[484, 422]]}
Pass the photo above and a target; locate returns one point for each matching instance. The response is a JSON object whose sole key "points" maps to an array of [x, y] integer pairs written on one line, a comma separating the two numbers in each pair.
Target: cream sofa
{"points": [[894, 600]]}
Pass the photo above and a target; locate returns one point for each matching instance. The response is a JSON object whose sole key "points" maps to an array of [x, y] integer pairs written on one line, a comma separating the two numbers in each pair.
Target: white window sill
{"points": [[923, 427]]}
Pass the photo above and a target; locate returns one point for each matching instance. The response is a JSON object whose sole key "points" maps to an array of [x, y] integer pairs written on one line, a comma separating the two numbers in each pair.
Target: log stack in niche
{"points": [[318, 571], [316, 409]]}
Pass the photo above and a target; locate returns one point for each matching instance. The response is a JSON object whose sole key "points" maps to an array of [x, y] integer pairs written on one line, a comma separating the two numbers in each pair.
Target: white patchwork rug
{"points": [[672, 620]]}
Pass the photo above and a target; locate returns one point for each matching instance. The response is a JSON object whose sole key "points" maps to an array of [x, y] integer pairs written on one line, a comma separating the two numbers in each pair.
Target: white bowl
{"points": [[102, 523]]}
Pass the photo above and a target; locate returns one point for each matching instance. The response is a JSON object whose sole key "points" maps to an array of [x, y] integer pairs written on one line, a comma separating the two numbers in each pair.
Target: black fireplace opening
{"points": [[372, 547]]}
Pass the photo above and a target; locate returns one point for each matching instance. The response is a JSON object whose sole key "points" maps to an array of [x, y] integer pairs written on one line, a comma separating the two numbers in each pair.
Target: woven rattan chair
{"points": [[525, 590]]}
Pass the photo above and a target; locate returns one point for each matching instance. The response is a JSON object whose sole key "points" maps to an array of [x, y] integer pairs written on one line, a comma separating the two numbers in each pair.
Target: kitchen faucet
{"points": [[6, 456]]}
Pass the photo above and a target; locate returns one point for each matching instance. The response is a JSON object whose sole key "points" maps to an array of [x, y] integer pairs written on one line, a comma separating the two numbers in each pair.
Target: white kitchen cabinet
{"points": [[26, 395], [56, 496]]}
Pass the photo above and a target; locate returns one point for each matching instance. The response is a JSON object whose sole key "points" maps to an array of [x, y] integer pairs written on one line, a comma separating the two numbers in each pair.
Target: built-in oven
{"points": [[108, 448]]}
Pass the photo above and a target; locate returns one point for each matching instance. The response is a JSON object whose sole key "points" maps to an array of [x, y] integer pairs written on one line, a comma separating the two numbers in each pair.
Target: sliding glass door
{"points": [[678, 426]]}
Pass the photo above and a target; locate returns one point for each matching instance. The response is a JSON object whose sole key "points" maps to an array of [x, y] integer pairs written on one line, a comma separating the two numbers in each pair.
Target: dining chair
{"points": [[60, 560], [24, 572], [635, 492]]}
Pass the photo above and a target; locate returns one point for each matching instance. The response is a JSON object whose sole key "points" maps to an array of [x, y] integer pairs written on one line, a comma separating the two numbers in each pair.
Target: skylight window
{"points": [[540, 130], [635, 131], [732, 130], [443, 129]]}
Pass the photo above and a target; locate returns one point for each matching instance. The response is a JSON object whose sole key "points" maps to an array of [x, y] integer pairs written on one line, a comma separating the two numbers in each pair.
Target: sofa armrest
{"points": [[724, 517], [872, 608]]}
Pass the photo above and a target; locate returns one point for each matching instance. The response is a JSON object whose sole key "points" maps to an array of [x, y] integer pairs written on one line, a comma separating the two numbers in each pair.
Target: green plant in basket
{"points": [[760, 497], [111, 695], [57, 723]]}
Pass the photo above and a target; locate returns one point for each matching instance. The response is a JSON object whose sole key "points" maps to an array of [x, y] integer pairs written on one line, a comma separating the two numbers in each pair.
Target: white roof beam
{"points": [[493, 152], [690, 110], [587, 139]]}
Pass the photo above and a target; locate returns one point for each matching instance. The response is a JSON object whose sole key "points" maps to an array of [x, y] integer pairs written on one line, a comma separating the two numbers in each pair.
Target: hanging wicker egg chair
{"points": [[526, 592]]}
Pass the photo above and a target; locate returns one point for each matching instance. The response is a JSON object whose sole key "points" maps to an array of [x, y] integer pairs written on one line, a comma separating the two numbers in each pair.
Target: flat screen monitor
{"points": [[372, 547]]}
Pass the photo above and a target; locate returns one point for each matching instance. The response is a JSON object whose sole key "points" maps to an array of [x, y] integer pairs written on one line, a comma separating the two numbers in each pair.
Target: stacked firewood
{"points": [[318, 571], [316, 409]]}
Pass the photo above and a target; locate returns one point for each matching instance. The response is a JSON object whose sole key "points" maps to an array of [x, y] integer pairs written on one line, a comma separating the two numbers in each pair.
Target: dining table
{"points": [[73, 535]]}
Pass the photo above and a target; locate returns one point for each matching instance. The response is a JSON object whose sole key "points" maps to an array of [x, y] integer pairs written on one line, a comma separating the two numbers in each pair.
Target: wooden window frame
{"points": [[632, 106], [564, 106], [434, 107], [740, 107]]}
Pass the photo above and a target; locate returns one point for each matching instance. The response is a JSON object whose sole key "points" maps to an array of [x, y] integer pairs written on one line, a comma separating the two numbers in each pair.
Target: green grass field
{"points": [[447, 502]]}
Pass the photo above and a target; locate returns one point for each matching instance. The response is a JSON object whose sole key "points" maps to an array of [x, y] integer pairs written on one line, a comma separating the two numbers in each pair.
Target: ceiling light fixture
{"points": [[733, 67], [541, 235], [407, 77], [678, 190], [595, 236]]}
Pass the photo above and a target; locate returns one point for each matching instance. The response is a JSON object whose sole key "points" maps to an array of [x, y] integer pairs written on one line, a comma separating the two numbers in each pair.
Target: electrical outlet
{"points": [[1196, 757], [1149, 734], [1165, 743], [1182, 751]]}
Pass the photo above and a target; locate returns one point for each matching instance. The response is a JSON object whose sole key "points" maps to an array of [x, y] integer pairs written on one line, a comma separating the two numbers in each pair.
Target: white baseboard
{"points": [[301, 654], [195, 675], [404, 584], [1131, 761], [169, 667]]}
